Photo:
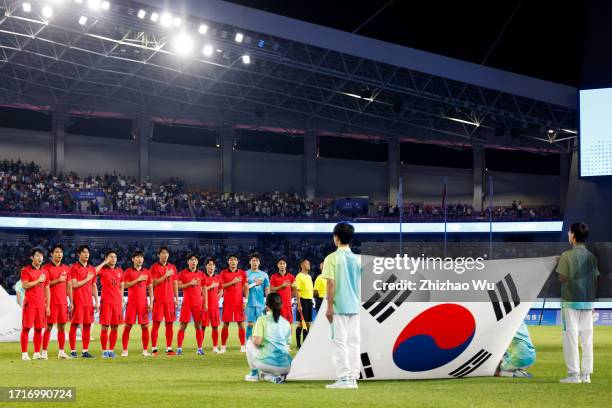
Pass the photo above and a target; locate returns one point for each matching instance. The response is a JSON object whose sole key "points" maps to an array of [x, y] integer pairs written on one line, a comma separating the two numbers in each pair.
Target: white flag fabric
{"points": [[435, 338]]}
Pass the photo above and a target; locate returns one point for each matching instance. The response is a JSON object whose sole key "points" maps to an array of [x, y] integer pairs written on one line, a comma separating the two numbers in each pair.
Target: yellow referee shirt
{"points": [[303, 283], [320, 286]]}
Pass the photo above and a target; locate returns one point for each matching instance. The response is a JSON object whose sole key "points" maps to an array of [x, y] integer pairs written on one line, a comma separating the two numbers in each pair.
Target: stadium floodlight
{"points": [[82, 20], [154, 17], [246, 59], [239, 37], [166, 19], [105, 5], [47, 12], [141, 14], [208, 50], [183, 44], [27, 7], [203, 29], [176, 22], [94, 4]]}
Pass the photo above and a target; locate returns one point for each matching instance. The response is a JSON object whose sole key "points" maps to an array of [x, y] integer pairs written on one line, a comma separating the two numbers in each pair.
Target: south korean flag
{"points": [[419, 334]]}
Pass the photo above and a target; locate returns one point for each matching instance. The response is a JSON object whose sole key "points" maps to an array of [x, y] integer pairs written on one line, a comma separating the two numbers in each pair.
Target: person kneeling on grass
{"points": [[268, 349], [519, 356]]}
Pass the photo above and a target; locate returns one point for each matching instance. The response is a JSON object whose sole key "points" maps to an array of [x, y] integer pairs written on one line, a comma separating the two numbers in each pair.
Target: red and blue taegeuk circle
{"points": [[435, 337]]}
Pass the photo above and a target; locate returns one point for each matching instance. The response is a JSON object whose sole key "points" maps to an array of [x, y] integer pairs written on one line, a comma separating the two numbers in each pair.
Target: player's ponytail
{"points": [[274, 303]]}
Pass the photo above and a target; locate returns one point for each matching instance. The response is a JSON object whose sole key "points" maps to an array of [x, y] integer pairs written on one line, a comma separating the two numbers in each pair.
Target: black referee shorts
{"points": [[306, 309]]}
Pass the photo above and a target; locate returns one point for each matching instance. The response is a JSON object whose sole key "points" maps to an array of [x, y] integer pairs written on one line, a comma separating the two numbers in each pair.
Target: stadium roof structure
{"points": [[221, 65]]}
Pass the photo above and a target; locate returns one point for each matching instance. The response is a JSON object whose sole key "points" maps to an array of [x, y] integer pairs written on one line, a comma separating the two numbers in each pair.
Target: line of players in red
{"points": [[56, 294]]}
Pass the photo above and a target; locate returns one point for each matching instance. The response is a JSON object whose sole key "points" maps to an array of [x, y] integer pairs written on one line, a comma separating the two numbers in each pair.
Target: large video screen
{"points": [[595, 132]]}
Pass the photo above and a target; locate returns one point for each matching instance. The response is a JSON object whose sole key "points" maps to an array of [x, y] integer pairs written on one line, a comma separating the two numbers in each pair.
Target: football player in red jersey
{"points": [[111, 309], [137, 280], [282, 283], [165, 287], [235, 291], [82, 288], [212, 317], [35, 305], [195, 301], [57, 280]]}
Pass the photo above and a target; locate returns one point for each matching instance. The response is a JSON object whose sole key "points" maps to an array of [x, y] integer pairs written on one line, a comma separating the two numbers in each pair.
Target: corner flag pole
{"points": [[445, 218], [400, 207], [490, 217]]}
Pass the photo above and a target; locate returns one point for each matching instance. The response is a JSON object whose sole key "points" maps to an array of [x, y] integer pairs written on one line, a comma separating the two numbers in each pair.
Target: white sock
{"points": [[85, 351]]}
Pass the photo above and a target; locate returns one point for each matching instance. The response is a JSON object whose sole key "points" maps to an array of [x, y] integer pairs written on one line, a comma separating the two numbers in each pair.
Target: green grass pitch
{"points": [[218, 380]]}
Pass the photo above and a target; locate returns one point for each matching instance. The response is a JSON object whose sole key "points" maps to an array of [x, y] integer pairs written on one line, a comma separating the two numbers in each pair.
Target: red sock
{"points": [[241, 335], [61, 339], [86, 336], [125, 338], [224, 335], [46, 338], [154, 334], [169, 334], [104, 338], [180, 337], [37, 340], [215, 336], [145, 338], [113, 338], [199, 337], [25, 331], [72, 337]]}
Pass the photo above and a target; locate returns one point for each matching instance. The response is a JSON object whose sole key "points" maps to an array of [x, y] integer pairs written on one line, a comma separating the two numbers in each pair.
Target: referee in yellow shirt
{"points": [[303, 284], [320, 289]]}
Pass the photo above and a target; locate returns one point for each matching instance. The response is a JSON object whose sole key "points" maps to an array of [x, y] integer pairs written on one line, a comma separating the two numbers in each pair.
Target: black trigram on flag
{"points": [[504, 296], [367, 371], [472, 364], [381, 305]]}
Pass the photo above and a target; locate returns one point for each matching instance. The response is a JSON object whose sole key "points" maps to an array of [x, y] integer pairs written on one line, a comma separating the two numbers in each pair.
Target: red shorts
{"points": [[233, 313], [211, 318], [133, 311], [164, 311], [59, 314], [32, 316], [287, 313], [111, 314], [189, 311], [83, 314]]}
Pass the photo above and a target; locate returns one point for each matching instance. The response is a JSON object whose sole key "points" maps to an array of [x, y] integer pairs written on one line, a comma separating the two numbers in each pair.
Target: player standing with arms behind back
{"points": [[35, 304], [83, 287], [259, 287], [343, 271], [235, 286], [57, 278], [137, 280], [165, 287], [212, 317]]}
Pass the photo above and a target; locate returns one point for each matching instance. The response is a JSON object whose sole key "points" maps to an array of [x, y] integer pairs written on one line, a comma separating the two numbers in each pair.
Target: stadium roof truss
{"points": [[299, 76]]}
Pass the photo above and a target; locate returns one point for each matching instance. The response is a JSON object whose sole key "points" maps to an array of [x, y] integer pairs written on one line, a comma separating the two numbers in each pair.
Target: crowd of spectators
{"points": [[25, 188]]}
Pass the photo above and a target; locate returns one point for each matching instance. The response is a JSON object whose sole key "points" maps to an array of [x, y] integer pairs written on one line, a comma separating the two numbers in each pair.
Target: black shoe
{"points": [[87, 355]]}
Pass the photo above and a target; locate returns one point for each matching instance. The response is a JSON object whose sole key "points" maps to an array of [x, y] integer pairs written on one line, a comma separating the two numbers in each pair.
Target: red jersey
{"points": [[233, 295], [110, 279], [82, 296], [59, 295], [164, 291], [137, 294], [35, 296], [213, 293], [192, 295], [285, 293]]}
